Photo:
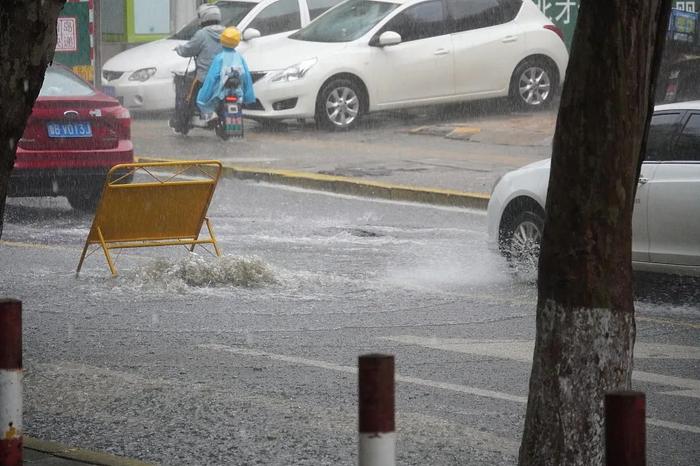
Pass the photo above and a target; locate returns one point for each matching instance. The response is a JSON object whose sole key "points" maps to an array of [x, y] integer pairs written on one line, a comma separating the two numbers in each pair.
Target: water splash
{"points": [[200, 272]]}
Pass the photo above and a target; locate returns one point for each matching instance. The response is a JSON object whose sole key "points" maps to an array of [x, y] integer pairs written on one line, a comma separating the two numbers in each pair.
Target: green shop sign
{"points": [[563, 13]]}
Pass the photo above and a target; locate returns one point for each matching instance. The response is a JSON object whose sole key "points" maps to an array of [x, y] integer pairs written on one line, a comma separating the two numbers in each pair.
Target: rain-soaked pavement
{"points": [[249, 359]]}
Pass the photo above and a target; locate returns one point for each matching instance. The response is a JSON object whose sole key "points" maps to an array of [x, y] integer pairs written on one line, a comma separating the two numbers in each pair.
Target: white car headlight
{"points": [[295, 72], [142, 75]]}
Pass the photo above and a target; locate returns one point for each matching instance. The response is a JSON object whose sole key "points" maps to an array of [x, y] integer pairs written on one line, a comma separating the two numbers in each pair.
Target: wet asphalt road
{"points": [[155, 365]]}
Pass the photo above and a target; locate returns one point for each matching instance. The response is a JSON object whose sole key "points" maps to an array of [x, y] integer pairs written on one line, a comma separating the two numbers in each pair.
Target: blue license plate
{"points": [[78, 129], [109, 90]]}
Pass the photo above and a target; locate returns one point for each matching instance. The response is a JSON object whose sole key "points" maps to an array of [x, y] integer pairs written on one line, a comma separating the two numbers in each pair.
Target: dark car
{"points": [[74, 135]]}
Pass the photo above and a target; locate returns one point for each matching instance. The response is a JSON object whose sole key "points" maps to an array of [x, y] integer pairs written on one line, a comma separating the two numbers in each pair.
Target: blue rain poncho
{"points": [[212, 91]]}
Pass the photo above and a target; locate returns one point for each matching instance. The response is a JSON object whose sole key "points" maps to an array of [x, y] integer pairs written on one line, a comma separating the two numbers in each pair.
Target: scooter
{"points": [[228, 121], [230, 110]]}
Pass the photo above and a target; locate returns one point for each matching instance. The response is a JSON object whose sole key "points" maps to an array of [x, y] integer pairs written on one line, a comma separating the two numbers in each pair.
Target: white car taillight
{"points": [[555, 30]]}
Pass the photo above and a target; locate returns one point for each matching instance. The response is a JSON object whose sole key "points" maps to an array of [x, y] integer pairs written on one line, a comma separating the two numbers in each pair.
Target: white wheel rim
{"points": [[525, 244], [534, 86], [342, 106]]}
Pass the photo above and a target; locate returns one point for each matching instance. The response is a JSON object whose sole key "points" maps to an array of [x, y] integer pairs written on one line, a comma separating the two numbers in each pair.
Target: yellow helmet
{"points": [[230, 38]]}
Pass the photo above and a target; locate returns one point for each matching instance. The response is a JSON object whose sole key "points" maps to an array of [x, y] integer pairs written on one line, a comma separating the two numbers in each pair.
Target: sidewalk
{"points": [[42, 453], [521, 129]]}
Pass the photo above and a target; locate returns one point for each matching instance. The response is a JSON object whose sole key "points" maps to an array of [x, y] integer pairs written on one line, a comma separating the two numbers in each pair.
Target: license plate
{"points": [[109, 90], [232, 108], [78, 129]]}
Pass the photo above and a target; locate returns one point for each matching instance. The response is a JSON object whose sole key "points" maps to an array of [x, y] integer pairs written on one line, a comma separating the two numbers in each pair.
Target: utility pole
{"points": [[97, 38]]}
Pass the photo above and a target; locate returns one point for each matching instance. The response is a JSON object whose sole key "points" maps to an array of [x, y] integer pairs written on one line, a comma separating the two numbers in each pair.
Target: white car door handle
{"points": [[643, 180], [507, 39], [442, 52]]}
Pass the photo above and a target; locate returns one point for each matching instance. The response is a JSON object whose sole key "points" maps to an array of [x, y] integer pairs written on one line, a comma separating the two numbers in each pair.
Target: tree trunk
{"points": [[585, 311], [27, 43]]}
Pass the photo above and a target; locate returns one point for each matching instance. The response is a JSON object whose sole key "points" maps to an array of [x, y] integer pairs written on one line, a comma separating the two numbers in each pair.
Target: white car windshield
{"points": [[231, 14], [348, 21]]}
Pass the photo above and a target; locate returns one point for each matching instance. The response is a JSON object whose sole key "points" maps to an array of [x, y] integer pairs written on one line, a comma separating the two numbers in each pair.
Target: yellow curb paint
{"points": [[463, 132], [418, 130], [354, 186], [78, 454]]}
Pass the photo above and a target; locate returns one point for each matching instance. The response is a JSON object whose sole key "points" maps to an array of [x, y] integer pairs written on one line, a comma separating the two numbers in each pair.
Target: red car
{"points": [[74, 135]]}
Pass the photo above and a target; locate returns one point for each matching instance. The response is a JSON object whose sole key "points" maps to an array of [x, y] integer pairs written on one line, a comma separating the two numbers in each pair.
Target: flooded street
{"points": [[213, 209], [189, 359]]}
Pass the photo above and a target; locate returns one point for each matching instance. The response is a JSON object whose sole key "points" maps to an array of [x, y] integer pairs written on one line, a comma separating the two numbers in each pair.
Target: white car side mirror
{"points": [[250, 34], [389, 38]]}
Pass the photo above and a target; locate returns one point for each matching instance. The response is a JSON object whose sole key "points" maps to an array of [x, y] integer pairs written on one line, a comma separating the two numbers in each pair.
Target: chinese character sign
{"points": [[66, 35], [685, 6], [75, 38]]}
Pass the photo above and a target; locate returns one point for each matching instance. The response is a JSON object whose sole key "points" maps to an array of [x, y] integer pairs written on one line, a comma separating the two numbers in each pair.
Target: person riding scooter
{"points": [[226, 64], [204, 46]]}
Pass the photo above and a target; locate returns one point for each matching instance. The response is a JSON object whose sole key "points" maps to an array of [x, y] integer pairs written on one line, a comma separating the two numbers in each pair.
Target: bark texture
{"points": [[585, 312], [27, 43]]}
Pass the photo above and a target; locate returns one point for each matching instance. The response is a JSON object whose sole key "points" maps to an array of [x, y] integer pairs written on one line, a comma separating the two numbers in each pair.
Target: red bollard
{"points": [[625, 429], [377, 442], [10, 382]]}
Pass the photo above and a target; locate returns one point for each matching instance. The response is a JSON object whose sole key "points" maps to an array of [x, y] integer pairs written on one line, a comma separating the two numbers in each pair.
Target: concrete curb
{"points": [[78, 454], [352, 186]]}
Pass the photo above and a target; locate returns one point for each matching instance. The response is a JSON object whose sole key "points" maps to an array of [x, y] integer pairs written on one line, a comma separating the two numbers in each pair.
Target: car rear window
{"points": [[58, 82]]}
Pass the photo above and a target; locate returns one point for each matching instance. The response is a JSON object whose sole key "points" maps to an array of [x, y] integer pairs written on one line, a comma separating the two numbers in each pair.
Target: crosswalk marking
{"points": [[522, 350], [493, 394], [352, 370]]}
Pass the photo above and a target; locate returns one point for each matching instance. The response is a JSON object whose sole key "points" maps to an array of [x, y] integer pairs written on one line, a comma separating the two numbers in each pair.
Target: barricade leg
{"points": [[82, 258], [625, 430], [10, 382], [377, 438], [106, 251], [213, 238]]}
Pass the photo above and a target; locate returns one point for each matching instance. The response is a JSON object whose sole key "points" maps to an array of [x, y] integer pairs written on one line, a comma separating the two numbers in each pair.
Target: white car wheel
{"points": [[520, 241], [533, 84], [339, 105]]}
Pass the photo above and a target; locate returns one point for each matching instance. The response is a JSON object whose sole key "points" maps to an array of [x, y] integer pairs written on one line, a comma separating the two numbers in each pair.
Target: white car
{"points": [[142, 77], [367, 55], [666, 218]]}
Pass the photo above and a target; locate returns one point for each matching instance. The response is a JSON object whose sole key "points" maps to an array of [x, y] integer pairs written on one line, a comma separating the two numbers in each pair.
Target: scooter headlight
{"points": [[295, 72]]}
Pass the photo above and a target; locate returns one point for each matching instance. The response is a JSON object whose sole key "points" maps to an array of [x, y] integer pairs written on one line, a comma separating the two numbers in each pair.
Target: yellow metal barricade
{"points": [[154, 204]]}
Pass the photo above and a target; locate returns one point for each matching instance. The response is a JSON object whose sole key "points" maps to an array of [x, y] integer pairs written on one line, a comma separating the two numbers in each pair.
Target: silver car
{"points": [[666, 220]]}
